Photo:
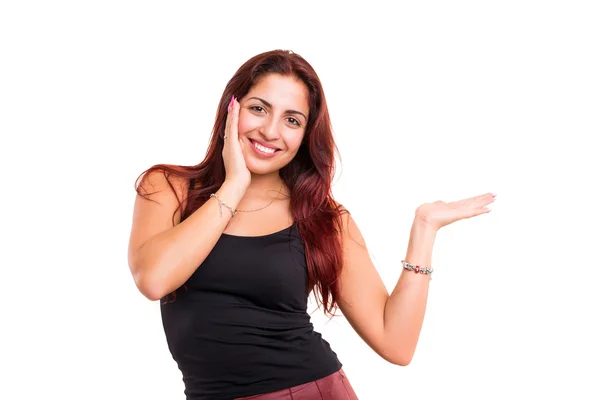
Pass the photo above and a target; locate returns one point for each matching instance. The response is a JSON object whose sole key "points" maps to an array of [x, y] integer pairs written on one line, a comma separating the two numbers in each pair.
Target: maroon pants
{"points": [[333, 387]]}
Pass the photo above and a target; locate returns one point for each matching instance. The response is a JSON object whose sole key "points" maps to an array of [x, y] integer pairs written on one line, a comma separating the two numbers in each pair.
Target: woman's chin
{"points": [[262, 171], [261, 167]]}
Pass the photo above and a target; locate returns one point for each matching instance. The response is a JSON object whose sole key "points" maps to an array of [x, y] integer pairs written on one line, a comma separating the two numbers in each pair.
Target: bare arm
{"points": [[391, 324], [405, 308], [162, 256]]}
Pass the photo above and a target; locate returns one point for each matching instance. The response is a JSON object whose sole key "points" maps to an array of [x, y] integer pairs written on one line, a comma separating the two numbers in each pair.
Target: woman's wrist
{"points": [[231, 193], [423, 229], [420, 243], [235, 187]]}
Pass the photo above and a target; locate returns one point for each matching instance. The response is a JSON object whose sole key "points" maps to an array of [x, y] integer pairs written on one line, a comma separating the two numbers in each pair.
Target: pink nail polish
{"points": [[230, 105]]}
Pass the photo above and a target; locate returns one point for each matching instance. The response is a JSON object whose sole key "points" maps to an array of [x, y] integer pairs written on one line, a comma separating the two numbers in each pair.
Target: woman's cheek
{"points": [[294, 141], [245, 124]]}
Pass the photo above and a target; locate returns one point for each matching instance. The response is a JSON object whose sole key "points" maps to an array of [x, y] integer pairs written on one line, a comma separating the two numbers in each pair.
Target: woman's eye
{"points": [[257, 108], [294, 121]]}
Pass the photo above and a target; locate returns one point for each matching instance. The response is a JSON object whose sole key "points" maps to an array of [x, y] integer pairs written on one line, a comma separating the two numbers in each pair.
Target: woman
{"points": [[234, 246]]}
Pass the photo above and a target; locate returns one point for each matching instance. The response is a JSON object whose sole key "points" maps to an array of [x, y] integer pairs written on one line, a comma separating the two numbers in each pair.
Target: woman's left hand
{"points": [[439, 213]]}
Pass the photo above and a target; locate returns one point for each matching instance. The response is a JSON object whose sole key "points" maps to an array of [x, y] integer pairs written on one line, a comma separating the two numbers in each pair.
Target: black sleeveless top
{"points": [[240, 327]]}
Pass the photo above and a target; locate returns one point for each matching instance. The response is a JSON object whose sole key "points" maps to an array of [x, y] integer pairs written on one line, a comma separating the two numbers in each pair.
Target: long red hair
{"points": [[308, 176]]}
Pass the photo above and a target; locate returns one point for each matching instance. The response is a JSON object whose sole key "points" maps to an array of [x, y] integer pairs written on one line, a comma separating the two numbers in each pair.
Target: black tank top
{"points": [[240, 327]]}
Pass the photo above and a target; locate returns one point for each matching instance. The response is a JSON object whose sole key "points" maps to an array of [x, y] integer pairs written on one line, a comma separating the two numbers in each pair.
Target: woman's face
{"points": [[272, 122]]}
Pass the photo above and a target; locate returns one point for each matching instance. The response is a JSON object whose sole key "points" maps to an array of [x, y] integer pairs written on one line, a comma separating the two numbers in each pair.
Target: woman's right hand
{"points": [[233, 149]]}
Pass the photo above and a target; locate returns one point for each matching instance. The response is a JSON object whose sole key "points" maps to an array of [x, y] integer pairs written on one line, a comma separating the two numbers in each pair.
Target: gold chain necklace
{"points": [[262, 208]]}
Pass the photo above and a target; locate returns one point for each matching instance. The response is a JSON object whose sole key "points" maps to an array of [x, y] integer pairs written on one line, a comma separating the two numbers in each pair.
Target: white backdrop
{"points": [[429, 100]]}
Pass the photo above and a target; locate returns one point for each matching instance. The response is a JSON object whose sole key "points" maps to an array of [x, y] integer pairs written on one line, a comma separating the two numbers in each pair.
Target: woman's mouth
{"points": [[263, 151]]}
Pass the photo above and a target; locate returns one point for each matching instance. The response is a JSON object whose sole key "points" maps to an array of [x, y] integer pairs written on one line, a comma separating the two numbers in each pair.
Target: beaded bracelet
{"points": [[417, 269], [221, 203]]}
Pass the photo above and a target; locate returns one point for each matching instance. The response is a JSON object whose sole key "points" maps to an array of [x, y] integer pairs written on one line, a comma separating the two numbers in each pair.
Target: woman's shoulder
{"points": [[340, 209], [158, 180], [167, 186]]}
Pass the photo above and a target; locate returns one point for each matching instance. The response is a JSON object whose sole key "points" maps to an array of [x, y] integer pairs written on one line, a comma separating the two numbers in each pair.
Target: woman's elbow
{"points": [[402, 361], [150, 294], [398, 357], [148, 286]]}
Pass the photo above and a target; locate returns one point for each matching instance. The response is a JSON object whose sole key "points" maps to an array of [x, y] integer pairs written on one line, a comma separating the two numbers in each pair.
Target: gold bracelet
{"points": [[221, 203]]}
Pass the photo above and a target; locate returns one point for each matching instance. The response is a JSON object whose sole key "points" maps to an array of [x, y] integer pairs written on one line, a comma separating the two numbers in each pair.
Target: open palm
{"points": [[439, 213]]}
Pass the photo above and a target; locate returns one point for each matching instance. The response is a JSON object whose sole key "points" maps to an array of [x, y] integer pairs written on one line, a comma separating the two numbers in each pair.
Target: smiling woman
{"points": [[233, 247], [272, 118]]}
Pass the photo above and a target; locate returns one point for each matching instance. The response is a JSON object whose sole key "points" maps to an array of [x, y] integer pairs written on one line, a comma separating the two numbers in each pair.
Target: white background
{"points": [[429, 100]]}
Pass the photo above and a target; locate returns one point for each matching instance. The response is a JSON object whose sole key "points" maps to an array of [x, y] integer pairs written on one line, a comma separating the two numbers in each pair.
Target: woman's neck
{"points": [[261, 185], [263, 189]]}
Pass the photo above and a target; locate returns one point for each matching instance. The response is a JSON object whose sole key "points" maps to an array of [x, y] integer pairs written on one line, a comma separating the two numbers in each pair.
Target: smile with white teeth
{"points": [[263, 149]]}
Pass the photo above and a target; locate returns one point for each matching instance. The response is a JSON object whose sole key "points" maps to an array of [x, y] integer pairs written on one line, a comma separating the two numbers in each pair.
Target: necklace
{"points": [[262, 208]]}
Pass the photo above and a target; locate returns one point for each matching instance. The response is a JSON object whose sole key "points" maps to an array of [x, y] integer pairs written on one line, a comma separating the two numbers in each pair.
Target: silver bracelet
{"points": [[417, 269], [221, 203]]}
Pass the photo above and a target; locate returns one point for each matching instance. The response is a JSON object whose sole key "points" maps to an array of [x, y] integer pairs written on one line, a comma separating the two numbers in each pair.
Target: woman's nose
{"points": [[270, 130]]}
